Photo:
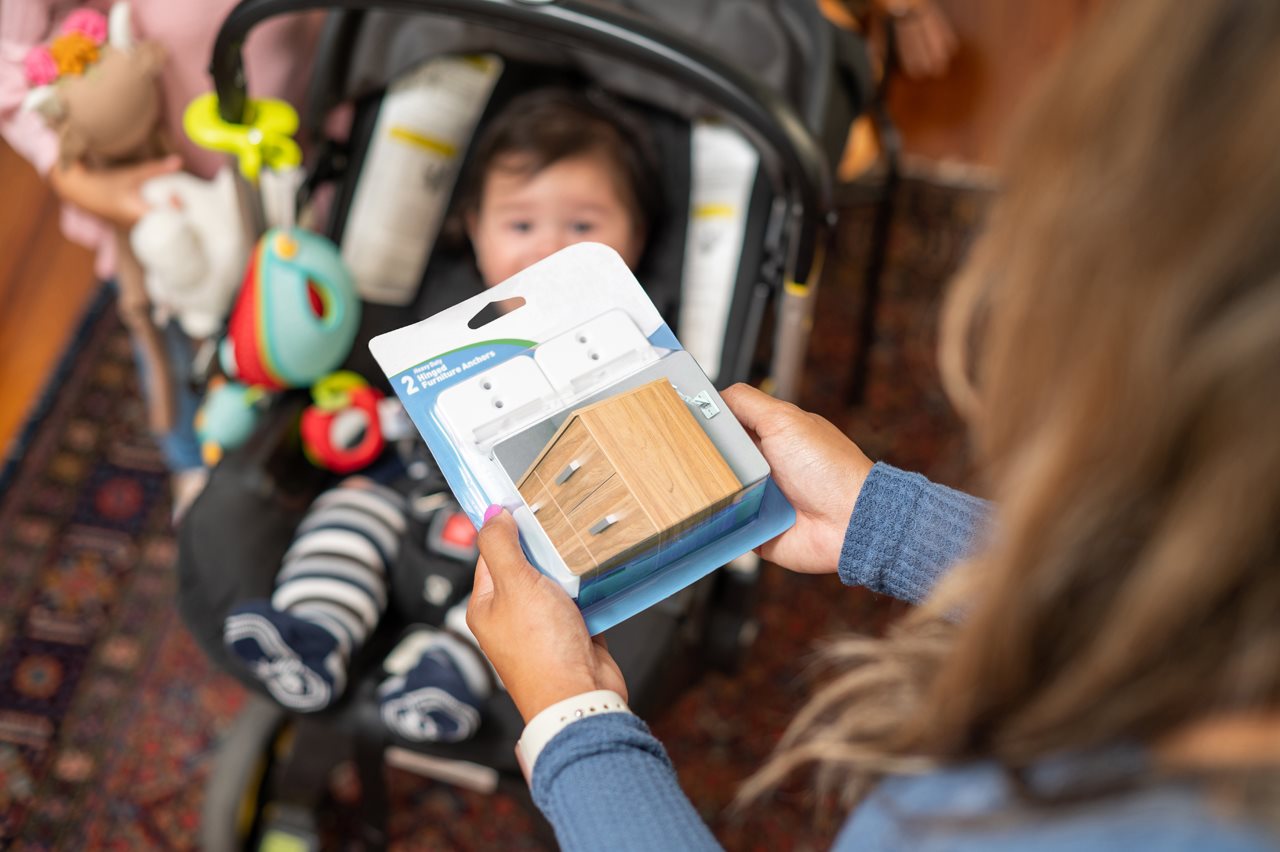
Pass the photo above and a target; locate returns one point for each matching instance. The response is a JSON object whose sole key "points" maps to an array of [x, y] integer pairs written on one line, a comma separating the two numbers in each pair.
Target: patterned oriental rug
{"points": [[110, 716]]}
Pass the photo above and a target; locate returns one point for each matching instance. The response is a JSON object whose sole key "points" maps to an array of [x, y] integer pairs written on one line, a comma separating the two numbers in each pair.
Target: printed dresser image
{"points": [[623, 475]]}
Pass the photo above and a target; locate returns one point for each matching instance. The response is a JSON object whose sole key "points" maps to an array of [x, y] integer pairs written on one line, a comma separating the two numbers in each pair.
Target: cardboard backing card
{"points": [[580, 413]]}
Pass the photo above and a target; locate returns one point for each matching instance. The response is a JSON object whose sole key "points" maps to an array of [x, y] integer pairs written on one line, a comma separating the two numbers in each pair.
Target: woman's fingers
{"points": [[529, 627]]}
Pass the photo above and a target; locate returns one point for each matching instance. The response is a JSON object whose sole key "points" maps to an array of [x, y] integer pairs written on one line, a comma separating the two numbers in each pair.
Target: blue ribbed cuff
{"points": [[592, 736], [605, 782], [906, 532]]}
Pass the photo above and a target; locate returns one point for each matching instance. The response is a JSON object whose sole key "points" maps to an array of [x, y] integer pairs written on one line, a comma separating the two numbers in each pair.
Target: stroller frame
{"points": [[795, 165]]}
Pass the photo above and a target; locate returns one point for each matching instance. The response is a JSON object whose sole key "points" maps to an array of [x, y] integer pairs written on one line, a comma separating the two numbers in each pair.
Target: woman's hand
{"points": [[530, 629], [926, 41], [115, 194], [819, 470]]}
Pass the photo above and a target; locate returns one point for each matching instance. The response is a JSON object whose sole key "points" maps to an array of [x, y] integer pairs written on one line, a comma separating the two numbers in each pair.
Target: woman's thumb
{"points": [[500, 549]]}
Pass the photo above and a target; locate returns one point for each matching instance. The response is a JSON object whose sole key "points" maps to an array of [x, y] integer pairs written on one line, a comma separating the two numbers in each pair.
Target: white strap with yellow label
{"points": [[423, 128], [724, 166]]}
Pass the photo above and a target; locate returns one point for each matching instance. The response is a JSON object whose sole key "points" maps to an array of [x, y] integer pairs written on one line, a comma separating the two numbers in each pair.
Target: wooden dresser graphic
{"points": [[624, 475]]}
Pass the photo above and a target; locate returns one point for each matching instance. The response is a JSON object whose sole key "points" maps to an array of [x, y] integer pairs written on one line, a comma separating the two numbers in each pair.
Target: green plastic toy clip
{"points": [[265, 140]]}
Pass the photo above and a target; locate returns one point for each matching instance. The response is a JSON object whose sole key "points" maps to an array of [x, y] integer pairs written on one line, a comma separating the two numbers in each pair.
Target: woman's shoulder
{"points": [[975, 807]]}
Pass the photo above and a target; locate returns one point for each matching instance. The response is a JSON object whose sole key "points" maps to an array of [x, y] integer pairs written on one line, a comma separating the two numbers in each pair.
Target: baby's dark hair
{"points": [[538, 129]]}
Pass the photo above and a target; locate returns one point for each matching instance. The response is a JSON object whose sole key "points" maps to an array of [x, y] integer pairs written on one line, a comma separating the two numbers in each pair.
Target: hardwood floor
{"points": [[45, 285]]}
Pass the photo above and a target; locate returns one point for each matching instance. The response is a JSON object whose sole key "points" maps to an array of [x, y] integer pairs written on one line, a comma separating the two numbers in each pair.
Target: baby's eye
{"points": [[583, 227], [520, 226]]}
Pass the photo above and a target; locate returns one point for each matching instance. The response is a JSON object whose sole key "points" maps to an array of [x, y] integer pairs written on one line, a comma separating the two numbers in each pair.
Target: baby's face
{"points": [[523, 219]]}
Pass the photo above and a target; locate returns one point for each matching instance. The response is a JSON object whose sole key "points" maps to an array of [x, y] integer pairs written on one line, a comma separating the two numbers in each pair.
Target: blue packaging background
{"points": [[616, 595]]}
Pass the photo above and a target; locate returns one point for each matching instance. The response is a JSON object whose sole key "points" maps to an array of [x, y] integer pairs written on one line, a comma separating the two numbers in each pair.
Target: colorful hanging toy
{"points": [[297, 314], [227, 417], [341, 432]]}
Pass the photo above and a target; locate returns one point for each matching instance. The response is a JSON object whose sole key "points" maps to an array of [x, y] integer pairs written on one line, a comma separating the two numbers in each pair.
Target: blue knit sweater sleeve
{"points": [[906, 532], [606, 783]]}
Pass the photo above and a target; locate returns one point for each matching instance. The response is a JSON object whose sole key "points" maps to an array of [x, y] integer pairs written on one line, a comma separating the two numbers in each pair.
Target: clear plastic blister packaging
{"points": [[578, 410]]}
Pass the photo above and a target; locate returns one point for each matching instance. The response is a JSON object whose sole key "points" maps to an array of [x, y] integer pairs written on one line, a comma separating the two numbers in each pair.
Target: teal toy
{"points": [[297, 313], [227, 418]]}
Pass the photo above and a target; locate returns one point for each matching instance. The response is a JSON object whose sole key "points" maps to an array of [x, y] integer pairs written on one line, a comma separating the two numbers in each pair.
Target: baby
{"points": [[553, 168]]}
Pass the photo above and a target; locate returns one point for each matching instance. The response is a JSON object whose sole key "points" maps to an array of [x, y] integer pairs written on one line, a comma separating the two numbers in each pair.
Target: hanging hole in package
{"points": [[580, 413]]}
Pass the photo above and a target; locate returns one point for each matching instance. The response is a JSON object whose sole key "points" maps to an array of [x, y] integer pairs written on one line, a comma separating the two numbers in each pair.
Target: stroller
{"points": [[769, 87]]}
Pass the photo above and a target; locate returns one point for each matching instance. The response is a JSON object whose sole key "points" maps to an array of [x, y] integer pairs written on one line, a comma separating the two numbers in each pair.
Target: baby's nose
{"points": [[555, 239]]}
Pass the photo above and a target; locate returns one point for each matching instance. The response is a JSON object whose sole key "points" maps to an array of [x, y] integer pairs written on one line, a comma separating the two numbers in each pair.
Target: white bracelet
{"points": [[557, 717]]}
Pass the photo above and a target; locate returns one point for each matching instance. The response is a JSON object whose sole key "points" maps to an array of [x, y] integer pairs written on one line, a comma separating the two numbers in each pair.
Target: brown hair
{"points": [[538, 129], [1114, 341]]}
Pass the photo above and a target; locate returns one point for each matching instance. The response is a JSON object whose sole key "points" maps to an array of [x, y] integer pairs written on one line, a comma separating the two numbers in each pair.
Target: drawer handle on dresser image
{"points": [[603, 524], [569, 470]]}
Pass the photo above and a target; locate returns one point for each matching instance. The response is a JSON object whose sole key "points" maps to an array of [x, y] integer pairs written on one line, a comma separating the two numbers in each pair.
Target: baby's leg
{"points": [[436, 685], [330, 594]]}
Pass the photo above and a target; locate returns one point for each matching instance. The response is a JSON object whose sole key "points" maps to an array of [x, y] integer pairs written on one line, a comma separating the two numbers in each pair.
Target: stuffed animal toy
{"points": [[98, 89], [192, 248], [110, 116]]}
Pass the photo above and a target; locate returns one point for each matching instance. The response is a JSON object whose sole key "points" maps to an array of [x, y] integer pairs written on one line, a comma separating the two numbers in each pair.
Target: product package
{"points": [[561, 395]]}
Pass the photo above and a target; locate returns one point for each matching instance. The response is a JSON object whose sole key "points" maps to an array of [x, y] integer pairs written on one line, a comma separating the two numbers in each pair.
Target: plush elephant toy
{"points": [[99, 90]]}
